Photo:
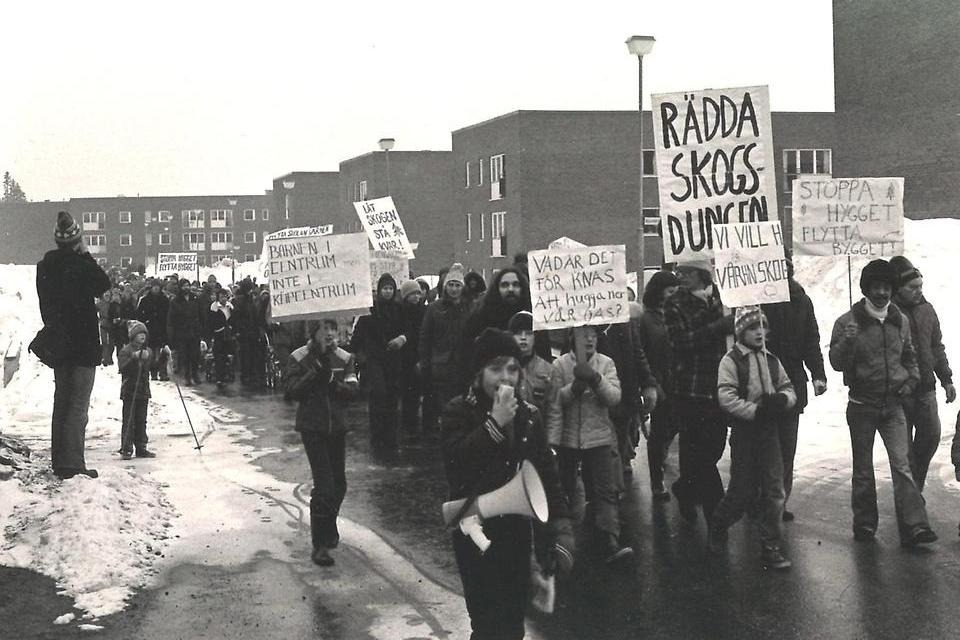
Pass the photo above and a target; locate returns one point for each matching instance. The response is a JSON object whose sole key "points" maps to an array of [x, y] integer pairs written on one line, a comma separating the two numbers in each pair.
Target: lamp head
{"points": [[640, 45]]}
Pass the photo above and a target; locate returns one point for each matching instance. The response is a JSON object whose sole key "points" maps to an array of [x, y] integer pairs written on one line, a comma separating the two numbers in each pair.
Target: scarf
{"points": [[878, 313]]}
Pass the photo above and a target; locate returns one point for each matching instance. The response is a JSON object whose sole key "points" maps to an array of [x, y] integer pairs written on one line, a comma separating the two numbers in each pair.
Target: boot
{"points": [[613, 552], [773, 558], [321, 556]]}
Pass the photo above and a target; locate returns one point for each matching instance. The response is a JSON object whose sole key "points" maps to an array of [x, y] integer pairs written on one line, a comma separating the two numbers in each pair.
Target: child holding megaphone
{"points": [[487, 434]]}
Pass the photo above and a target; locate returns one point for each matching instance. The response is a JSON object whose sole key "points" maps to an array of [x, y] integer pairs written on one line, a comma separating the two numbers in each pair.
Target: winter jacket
{"points": [[583, 422], [413, 315], [880, 361], [220, 321], [536, 386], [652, 331], [621, 342], [739, 385], [928, 343], [795, 339], [317, 382], [130, 367], [118, 328], [440, 335], [698, 332], [67, 284], [183, 320], [152, 311], [374, 331]]}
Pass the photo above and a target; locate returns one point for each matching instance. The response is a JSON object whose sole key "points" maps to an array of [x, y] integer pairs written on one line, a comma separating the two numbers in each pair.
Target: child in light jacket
{"points": [[754, 391]]}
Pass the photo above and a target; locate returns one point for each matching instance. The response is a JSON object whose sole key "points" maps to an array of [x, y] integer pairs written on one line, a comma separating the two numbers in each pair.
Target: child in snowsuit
{"points": [[134, 361]]}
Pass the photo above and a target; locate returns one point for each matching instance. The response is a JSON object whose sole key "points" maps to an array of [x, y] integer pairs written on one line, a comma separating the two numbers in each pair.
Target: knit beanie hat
{"points": [[409, 287], [521, 321], [904, 270], [67, 230], [878, 270], [455, 274], [493, 343], [134, 327], [746, 317]]}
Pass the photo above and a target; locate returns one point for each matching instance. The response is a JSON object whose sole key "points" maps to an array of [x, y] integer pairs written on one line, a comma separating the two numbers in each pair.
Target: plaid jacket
{"points": [[697, 331]]}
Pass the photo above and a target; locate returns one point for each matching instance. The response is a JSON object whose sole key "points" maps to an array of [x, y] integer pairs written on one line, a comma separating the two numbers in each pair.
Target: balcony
{"points": [[93, 226], [195, 246], [95, 249], [498, 189]]}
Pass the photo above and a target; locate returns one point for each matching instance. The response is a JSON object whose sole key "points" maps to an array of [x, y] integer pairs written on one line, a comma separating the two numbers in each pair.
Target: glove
{"points": [[649, 396], [763, 414], [577, 387], [778, 403], [583, 371]]}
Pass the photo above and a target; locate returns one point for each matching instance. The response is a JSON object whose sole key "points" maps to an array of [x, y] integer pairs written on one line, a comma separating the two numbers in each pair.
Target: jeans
{"points": [[789, 428], [703, 437], [923, 432], [134, 421], [71, 400], [663, 429], [326, 454], [600, 466], [865, 422], [755, 464]]}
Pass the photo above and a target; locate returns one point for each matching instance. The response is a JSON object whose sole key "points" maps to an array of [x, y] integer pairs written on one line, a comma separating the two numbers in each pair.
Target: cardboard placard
{"points": [[714, 156], [396, 264], [750, 264], [848, 216], [573, 287], [384, 228], [180, 263]]}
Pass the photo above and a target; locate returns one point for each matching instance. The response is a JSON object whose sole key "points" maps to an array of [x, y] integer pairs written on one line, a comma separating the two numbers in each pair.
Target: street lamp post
{"points": [[233, 264], [386, 144], [640, 46]]}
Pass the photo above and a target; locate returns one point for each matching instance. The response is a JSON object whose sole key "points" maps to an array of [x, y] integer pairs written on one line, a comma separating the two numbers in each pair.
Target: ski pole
{"points": [[189, 421]]}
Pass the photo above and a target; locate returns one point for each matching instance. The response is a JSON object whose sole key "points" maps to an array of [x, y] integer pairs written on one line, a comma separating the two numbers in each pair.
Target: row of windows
{"points": [[495, 169], [127, 261], [498, 232], [199, 237], [195, 217]]}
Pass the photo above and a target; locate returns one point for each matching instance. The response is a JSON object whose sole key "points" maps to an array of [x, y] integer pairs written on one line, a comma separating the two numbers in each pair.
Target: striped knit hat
{"points": [[747, 317], [67, 230]]}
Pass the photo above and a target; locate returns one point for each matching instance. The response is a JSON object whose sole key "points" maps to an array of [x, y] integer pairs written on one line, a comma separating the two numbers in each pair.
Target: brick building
{"points": [[307, 198]]}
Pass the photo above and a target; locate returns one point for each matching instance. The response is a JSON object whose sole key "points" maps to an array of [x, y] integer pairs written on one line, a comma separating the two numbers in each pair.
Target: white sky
{"points": [[107, 98]]}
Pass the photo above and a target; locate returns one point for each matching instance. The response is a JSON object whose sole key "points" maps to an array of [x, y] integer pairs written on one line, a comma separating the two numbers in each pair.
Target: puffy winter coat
{"points": [[317, 382], [583, 422], [67, 284], [928, 342], [795, 339], [739, 385], [880, 360]]}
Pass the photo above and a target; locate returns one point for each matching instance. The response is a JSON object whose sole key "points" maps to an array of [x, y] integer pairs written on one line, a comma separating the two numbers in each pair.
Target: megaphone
{"points": [[522, 495]]}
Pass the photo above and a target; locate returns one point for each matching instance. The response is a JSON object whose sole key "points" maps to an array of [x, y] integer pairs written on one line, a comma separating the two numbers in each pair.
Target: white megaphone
{"points": [[522, 495]]}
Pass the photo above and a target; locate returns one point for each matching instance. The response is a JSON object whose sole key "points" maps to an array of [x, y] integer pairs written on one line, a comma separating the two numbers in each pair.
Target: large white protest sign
{"points": [[383, 225], [180, 263], [847, 216], [396, 264], [572, 287], [714, 151], [316, 276], [300, 232], [750, 263]]}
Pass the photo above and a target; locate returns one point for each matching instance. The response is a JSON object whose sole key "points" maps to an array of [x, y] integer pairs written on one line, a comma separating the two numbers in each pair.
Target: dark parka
{"points": [[153, 311], [374, 331], [928, 342], [316, 381], [440, 333], [621, 342], [183, 319], [67, 284], [795, 339]]}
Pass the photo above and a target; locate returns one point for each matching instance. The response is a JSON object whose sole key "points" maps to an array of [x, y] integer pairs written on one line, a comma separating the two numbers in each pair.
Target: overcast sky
{"points": [[109, 98]]}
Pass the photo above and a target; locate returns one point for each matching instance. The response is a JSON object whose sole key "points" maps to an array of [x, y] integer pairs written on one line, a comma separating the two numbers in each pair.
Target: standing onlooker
{"points": [[411, 386], [221, 329], [871, 345], [153, 310], [103, 312], [698, 332], [134, 360], [68, 281], [755, 392], [245, 328], [920, 408], [656, 345], [795, 339], [536, 384], [473, 288], [183, 332], [439, 348]]}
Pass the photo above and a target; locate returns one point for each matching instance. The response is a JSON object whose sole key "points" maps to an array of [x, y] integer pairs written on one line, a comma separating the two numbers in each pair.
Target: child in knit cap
{"points": [[753, 390], [536, 386], [134, 361]]}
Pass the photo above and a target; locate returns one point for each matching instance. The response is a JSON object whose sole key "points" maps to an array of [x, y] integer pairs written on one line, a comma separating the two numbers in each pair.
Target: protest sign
{"points": [[564, 242], [750, 263], [847, 216], [396, 264], [317, 276], [572, 287], [300, 232], [184, 264], [383, 225], [714, 151]]}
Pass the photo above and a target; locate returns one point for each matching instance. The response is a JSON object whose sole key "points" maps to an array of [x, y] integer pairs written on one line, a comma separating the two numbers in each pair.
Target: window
{"points": [[125, 240], [264, 214], [217, 258], [220, 240], [221, 218], [124, 217], [93, 220], [651, 222], [249, 257], [194, 241], [96, 240], [498, 234], [147, 217], [249, 237], [809, 161], [164, 239], [469, 227], [649, 163], [787, 213], [466, 174], [148, 239], [249, 214], [164, 216], [497, 177], [201, 260], [483, 224], [192, 218], [480, 164], [362, 189], [286, 206], [126, 261]]}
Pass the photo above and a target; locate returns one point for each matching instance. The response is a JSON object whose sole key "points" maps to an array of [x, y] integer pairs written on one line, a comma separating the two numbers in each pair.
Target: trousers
{"points": [[68, 428]]}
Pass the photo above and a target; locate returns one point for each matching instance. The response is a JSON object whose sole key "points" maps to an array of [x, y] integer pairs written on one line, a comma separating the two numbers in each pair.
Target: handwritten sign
{"points": [[300, 232], [750, 264], [714, 151], [171, 263], [382, 222], [317, 276], [396, 264], [847, 216], [573, 287]]}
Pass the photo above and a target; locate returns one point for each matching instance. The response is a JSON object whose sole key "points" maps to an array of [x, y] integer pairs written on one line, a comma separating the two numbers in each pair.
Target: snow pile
{"points": [[94, 536]]}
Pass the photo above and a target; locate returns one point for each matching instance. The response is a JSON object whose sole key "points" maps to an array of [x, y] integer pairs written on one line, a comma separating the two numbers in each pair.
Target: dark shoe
{"points": [[145, 453], [717, 541], [920, 535], [660, 494], [66, 474], [126, 455], [153, 376], [773, 558], [322, 557], [788, 516], [687, 509], [863, 534], [612, 551]]}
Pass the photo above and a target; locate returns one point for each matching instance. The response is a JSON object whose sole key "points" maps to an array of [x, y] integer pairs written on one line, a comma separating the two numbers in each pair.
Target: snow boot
{"points": [[321, 557]]}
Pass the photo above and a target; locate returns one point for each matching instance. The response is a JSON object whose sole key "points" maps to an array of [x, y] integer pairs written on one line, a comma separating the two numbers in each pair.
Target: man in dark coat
{"points": [[183, 333], [411, 386], [152, 312], [795, 339], [68, 280], [245, 326]]}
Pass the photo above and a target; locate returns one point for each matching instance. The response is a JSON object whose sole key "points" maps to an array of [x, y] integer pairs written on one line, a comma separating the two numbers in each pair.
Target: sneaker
{"points": [[773, 558], [717, 541], [145, 453], [788, 516], [920, 535], [613, 552], [322, 557], [863, 534], [126, 455]]}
